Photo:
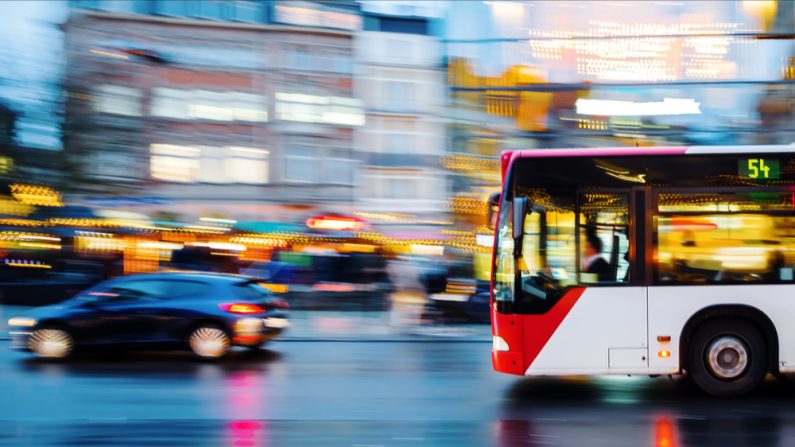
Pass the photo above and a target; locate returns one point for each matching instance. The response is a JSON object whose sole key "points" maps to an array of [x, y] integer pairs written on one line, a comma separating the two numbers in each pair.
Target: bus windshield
{"points": [[560, 222]]}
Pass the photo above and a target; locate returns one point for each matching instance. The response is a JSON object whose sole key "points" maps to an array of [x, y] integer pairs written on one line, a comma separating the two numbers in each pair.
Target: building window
{"points": [[174, 9], [211, 166], [319, 109], [208, 164], [174, 163], [113, 164], [209, 105], [244, 11], [339, 169], [400, 143], [209, 9], [343, 63], [248, 107], [170, 103], [400, 188], [118, 100], [399, 95], [300, 165], [246, 165]]}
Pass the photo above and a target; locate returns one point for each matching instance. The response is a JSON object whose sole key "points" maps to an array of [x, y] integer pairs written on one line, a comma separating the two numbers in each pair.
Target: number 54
{"points": [[757, 165]]}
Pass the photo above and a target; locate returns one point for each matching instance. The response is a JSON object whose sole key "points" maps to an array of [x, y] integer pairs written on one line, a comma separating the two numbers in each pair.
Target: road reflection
{"points": [[140, 364], [619, 411]]}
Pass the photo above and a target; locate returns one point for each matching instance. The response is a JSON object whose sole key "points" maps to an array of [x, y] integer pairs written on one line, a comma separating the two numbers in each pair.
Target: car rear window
{"points": [[252, 291]]}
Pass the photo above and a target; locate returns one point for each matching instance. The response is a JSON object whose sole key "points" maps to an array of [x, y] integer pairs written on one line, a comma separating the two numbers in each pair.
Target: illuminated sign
{"points": [[759, 169], [668, 106], [336, 223]]}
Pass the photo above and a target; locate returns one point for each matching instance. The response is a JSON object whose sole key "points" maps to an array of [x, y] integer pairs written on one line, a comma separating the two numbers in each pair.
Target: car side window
{"points": [[135, 290], [179, 289]]}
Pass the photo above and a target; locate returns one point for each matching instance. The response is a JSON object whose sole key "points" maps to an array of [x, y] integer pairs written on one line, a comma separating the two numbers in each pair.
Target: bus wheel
{"points": [[727, 357]]}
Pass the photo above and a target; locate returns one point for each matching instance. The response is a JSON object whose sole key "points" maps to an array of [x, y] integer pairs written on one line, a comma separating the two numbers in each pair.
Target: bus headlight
{"points": [[499, 344], [22, 322]]}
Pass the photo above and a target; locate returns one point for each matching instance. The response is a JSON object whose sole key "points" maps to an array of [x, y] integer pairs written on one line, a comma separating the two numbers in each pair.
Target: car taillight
{"points": [[241, 308]]}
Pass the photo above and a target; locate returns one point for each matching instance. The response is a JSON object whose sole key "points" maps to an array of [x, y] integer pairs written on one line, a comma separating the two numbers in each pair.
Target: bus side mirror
{"points": [[520, 208]]}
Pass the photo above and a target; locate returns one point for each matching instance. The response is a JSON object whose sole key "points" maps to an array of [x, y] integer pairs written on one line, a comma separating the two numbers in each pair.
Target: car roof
{"points": [[187, 275]]}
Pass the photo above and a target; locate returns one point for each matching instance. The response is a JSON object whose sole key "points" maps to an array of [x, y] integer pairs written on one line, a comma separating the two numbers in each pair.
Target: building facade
{"points": [[401, 81], [243, 109]]}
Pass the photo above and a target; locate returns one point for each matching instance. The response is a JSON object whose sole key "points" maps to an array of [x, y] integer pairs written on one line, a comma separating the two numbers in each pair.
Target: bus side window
{"points": [[724, 248]]}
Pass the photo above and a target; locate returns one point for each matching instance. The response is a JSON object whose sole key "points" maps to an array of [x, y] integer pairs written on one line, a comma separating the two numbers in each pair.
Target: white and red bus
{"points": [[652, 261]]}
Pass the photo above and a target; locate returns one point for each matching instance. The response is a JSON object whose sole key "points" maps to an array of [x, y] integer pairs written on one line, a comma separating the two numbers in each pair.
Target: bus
{"points": [[657, 261]]}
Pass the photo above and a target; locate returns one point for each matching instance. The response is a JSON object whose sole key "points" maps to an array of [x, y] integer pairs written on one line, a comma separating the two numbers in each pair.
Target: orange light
{"points": [[242, 308], [338, 223], [663, 338], [275, 288], [664, 354], [665, 432]]}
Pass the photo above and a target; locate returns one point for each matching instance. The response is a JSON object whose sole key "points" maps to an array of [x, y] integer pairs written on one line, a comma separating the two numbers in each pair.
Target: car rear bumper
{"points": [[256, 331]]}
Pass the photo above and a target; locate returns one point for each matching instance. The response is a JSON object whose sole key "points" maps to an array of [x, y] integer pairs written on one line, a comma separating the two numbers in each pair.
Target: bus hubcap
{"points": [[727, 357]]}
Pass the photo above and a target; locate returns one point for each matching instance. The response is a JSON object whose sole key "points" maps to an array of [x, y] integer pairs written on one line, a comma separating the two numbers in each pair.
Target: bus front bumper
{"points": [[507, 362]]}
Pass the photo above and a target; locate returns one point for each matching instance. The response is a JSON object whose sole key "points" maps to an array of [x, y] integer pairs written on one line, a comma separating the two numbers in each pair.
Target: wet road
{"points": [[364, 394]]}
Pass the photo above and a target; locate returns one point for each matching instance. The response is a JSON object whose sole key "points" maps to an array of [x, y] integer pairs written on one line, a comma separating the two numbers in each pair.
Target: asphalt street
{"points": [[347, 393]]}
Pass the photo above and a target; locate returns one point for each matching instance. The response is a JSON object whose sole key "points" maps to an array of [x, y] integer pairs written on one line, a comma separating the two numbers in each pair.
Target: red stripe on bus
{"points": [[538, 329]]}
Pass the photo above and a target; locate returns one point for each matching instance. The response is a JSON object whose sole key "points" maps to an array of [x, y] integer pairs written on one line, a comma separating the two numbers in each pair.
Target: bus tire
{"points": [[727, 357]]}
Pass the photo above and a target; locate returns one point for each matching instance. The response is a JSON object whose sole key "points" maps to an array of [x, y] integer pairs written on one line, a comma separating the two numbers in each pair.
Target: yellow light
{"points": [[30, 265], [40, 245], [664, 354], [36, 195]]}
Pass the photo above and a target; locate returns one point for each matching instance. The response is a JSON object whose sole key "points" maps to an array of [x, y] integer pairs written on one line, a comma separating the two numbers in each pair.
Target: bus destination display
{"points": [[759, 169]]}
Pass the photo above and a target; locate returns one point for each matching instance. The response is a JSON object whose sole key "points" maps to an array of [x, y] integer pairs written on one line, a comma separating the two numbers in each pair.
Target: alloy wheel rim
{"points": [[727, 357], [209, 342], [51, 343]]}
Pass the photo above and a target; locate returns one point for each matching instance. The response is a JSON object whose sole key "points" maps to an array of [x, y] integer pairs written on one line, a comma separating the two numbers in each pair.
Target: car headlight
{"points": [[276, 323], [22, 322]]}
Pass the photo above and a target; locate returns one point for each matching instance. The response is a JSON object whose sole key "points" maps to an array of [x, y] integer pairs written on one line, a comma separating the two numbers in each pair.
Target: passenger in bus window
{"points": [[594, 263]]}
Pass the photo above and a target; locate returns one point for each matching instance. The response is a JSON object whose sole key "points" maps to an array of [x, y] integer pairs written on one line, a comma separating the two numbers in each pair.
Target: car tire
{"points": [[209, 341], [51, 342], [727, 357]]}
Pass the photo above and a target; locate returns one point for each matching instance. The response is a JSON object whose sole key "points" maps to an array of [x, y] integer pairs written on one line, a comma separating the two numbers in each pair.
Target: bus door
{"points": [[605, 235], [584, 251]]}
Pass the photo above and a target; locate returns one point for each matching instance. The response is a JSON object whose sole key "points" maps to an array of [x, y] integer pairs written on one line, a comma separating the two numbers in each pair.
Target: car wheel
{"points": [[51, 343], [209, 342], [727, 357]]}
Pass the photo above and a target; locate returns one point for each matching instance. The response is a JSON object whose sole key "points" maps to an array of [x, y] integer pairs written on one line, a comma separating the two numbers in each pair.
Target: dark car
{"points": [[328, 281], [206, 313]]}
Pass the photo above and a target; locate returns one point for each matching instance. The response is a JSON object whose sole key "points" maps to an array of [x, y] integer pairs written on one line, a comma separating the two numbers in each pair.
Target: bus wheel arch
{"points": [[750, 313]]}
